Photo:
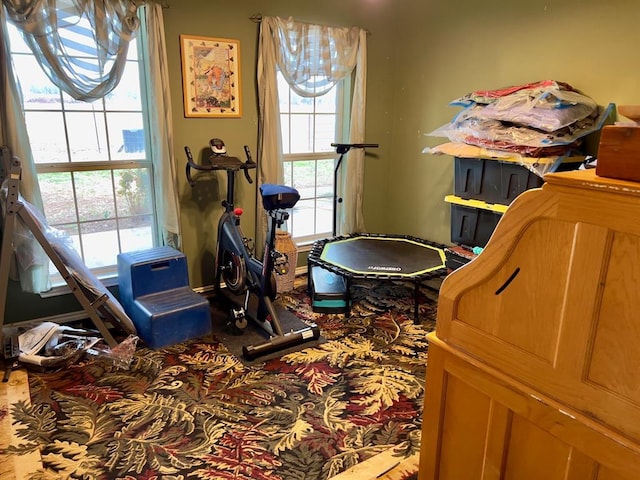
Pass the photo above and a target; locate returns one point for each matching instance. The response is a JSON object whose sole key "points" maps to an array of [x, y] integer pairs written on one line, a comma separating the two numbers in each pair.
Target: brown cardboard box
{"points": [[619, 152]]}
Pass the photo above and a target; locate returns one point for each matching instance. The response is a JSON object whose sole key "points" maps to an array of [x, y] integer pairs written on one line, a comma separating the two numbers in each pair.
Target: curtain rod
{"points": [[257, 18]]}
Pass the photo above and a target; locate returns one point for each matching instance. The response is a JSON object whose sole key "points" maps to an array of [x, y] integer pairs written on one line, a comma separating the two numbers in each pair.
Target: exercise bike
{"points": [[236, 265]]}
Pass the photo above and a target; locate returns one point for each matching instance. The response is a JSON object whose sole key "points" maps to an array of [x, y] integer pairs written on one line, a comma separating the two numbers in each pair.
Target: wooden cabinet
{"points": [[534, 367]]}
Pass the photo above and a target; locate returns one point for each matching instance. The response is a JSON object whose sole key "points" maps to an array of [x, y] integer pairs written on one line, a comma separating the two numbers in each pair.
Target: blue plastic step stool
{"points": [[155, 293]]}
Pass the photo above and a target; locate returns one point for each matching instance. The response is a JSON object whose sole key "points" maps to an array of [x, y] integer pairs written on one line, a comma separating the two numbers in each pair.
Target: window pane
{"points": [[324, 215], [71, 104], [133, 192], [57, 197], [47, 136], [301, 104], [126, 96], [284, 125], [38, 92], [136, 233], [303, 218], [99, 242], [304, 178], [327, 102], [325, 133], [301, 133], [324, 181], [126, 135], [288, 175], [87, 137], [94, 191]]}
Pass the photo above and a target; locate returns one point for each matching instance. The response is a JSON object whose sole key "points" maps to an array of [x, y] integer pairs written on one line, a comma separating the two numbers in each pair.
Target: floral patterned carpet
{"points": [[195, 411]]}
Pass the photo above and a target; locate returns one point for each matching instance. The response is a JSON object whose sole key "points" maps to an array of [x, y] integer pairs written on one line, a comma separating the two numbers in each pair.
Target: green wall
{"points": [[454, 47], [421, 55], [199, 219]]}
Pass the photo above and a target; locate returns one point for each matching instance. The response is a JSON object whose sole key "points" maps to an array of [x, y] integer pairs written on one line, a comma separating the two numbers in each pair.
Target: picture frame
{"points": [[210, 77]]}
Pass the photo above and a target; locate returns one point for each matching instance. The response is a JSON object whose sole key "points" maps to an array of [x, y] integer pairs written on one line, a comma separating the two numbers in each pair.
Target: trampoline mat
{"points": [[395, 256]]}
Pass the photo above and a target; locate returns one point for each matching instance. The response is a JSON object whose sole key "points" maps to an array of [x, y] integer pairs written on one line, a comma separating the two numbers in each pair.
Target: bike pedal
{"points": [[238, 319]]}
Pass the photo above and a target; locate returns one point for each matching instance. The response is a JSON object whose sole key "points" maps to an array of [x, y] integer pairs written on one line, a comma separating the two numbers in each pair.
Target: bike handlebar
{"points": [[220, 162], [356, 145], [345, 147], [247, 154]]}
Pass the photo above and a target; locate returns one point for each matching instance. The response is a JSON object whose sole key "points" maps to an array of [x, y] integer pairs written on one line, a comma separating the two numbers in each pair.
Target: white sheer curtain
{"points": [[164, 165], [15, 136], [108, 18], [312, 58], [51, 29]]}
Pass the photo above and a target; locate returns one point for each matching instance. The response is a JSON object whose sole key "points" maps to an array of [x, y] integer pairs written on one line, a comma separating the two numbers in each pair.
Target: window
{"points": [[309, 126], [92, 160]]}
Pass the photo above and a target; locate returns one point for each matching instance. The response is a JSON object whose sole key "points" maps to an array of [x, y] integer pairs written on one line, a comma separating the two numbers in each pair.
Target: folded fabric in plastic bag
{"points": [[547, 105], [540, 165], [470, 127], [547, 111], [525, 150], [489, 96]]}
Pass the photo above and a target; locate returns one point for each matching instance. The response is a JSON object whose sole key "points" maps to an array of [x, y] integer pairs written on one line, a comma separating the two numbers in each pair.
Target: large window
{"points": [[309, 126], [92, 160]]}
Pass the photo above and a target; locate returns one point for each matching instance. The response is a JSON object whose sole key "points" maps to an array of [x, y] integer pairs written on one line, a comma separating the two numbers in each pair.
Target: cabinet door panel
{"points": [[464, 431]]}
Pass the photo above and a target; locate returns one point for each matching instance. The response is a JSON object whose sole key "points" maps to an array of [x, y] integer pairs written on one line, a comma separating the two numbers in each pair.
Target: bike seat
{"points": [[276, 197]]}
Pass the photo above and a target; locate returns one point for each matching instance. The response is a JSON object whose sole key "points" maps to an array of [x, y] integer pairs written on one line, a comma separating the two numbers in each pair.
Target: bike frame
{"points": [[253, 276]]}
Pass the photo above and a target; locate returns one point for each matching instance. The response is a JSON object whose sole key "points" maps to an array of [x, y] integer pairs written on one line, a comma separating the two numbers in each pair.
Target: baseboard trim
{"points": [[59, 319], [206, 291]]}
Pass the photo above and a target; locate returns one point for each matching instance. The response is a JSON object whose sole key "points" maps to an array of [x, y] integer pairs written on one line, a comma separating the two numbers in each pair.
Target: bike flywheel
{"points": [[234, 272]]}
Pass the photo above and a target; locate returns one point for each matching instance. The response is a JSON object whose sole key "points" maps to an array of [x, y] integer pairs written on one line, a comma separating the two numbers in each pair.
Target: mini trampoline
{"points": [[369, 256]]}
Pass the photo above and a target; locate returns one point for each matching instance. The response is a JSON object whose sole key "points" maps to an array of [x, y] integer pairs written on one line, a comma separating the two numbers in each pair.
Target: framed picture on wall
{"points": [[210, 76]]}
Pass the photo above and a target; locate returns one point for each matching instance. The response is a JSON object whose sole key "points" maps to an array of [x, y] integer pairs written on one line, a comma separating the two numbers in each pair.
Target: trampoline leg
{"points": [[416, 311], [347, 296]]}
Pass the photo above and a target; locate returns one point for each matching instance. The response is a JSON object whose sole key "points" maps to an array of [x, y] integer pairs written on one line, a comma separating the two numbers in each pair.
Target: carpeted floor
{"points": [[348, 408]]}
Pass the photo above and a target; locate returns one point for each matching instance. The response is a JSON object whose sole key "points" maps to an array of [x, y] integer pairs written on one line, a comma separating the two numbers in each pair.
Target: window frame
{"points": [[342, 112], [107, 273]]}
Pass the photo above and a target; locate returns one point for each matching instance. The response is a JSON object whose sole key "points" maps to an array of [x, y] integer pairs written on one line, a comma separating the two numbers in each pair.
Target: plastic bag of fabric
{"points": [[470, 125], [546, 111], [486, 97], [547, 105]]}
